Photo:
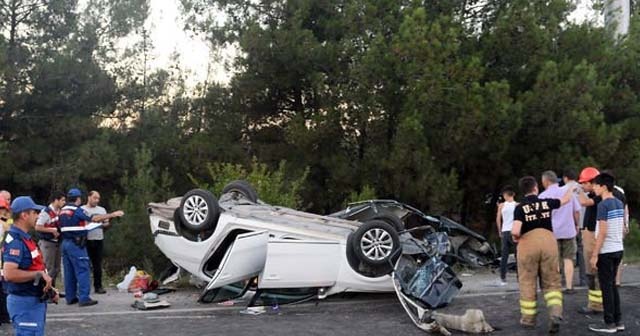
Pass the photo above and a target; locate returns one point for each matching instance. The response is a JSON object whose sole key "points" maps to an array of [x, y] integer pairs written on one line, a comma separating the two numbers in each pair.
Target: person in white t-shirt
{"points": [[95, 239], [608, 252], [504, 222]]}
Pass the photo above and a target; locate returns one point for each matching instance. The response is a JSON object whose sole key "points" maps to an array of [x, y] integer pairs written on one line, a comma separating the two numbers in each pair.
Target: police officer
{"points": [[538, 253], [25, 275], [73, 222]]}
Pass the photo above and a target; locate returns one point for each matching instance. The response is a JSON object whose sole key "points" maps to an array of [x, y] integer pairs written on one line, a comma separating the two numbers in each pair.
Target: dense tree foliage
{"points": [[434, 103]]}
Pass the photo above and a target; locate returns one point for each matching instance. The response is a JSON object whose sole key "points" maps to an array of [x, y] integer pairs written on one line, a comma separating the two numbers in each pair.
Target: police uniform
{"points": [[538, 257], [26, 307], [72, 220]]}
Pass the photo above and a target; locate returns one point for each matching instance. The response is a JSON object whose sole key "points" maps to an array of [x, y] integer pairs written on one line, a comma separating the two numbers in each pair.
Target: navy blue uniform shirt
{"points": [[19, 248], [73, 220]]}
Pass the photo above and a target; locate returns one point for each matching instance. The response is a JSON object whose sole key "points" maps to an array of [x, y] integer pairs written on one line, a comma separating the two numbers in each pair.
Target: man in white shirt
{"points": [[607, 253], [95, 239]]}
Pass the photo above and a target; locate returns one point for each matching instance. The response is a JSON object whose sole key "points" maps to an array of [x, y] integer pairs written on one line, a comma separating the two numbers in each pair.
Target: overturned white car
{"points": [[239, 242]]}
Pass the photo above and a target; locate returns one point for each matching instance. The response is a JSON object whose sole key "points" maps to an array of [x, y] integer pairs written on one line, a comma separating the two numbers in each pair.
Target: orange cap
{"points": [[588, 174], [4, 204]]}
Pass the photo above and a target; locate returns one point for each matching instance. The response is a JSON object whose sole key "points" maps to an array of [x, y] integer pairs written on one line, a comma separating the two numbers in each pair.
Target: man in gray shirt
{"points": [[47, 229], [95, 240]]}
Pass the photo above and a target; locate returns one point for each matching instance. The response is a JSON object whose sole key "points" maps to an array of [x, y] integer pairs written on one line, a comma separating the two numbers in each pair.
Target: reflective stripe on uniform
{"points": [[553, 298], [528, 307], [73, 228], [528, 304], [595, 296]]}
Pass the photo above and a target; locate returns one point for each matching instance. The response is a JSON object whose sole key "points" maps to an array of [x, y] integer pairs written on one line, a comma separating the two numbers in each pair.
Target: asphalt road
{"points": [[360, 314]]}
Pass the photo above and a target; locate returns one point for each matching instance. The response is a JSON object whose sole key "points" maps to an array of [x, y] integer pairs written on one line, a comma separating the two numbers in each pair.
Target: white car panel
{"points": [[349, 280], [300, 263], [190, 254], [243, 260]]}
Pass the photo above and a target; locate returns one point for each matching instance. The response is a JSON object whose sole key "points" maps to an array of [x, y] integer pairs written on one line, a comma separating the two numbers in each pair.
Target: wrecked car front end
{"points": [[466, 246], [422, 281]]}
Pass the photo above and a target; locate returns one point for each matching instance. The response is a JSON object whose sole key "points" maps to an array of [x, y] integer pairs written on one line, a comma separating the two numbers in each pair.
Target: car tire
{"points": [[376, 243], [392, 220], [241, 188], [199, 210], [364, 269]]}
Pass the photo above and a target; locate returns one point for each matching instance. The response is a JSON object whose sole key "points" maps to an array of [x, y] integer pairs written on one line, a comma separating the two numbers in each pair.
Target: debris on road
{"points": [[472, 321], [143, 305], [254, 310]]}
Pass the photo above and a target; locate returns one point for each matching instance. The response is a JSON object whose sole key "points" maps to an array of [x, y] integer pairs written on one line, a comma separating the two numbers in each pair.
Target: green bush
{"points": [[632, 243], [274, 187], [129, 242], [367, 193]]}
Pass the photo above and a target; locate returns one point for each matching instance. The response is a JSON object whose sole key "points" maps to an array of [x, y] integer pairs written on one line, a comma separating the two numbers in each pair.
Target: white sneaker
{"points": [[604, 328]]}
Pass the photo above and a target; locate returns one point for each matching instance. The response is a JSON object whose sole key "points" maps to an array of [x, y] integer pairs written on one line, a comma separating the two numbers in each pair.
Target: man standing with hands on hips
{"points": [[74, 227], [25, 274]]}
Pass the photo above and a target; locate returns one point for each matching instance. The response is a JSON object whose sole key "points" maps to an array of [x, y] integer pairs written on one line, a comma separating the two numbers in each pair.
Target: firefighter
{"points": [[25, 275], [538, 254], [73, 220]]}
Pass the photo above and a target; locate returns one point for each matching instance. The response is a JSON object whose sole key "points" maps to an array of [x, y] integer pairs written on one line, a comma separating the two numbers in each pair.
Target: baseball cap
{"points": [[74, 192], [24, 203]]}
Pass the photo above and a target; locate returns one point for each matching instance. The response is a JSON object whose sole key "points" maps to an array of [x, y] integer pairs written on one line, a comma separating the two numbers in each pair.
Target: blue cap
{"points": [[24, 203], [74, 192]]}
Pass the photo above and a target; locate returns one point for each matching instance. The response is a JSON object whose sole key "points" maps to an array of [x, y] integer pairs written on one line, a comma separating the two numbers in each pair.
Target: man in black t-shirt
{"points": [[537, 254]]}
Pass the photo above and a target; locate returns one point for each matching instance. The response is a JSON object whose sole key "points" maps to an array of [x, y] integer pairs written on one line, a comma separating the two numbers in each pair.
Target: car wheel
{"points": [[361, 268], [392, 220], [376, 243], [241, 188], [199, 210]]}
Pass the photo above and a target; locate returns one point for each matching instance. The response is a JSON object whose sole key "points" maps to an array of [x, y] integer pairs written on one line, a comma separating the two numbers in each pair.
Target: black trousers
{"points": [[95, 250], [607, 269], [4, 314]]}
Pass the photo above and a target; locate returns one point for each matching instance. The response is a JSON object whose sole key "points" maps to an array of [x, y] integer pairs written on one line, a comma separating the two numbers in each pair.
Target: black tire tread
{"points": [[243, 187]]}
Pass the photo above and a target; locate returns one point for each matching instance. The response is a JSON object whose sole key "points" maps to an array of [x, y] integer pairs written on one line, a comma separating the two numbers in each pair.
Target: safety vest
{"points": [[52, 223], [36, 264], [72, 222]]}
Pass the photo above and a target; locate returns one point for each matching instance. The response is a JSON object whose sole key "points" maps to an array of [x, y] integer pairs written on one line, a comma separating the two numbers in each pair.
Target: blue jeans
{"points": [[28, 315], [77, 276], [507, 244]]}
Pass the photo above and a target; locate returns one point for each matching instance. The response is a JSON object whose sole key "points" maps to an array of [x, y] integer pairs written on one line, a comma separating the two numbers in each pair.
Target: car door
{"points": [[300, 264], [244, 259]]}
